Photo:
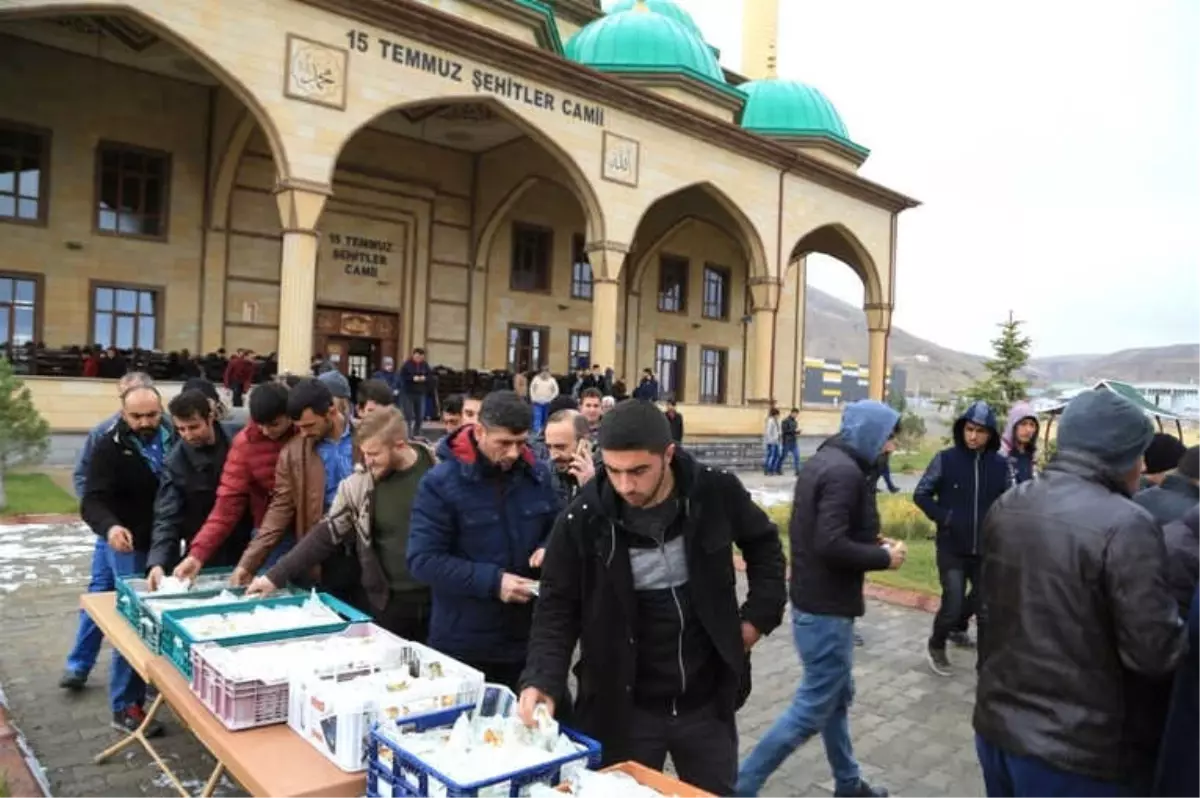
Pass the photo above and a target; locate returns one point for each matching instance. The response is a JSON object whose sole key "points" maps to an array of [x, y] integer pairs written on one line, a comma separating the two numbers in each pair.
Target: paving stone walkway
{"points": [[911, 730]]}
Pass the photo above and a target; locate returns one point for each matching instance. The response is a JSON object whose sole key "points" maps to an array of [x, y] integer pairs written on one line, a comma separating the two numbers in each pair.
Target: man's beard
{"points": [[147, 434]]}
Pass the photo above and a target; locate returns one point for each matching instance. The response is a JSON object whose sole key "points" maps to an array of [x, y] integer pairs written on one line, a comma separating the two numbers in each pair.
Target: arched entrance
{"points": [[146, 133], [696, 260], [455, 227], [846, 360]]}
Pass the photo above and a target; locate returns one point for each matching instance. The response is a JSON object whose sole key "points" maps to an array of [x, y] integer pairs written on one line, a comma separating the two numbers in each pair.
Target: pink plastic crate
{"points": [[249, 703]]}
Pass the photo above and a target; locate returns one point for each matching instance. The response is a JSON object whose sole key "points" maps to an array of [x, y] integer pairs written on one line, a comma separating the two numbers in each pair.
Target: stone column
{"points": [[764, 292], [299, 209], [879, 326], [607, 259]]}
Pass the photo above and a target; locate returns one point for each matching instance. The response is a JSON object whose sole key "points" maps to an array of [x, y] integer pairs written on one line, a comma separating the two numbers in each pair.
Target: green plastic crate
{"points": [[176, 642], [131, 591], [149, 628]]}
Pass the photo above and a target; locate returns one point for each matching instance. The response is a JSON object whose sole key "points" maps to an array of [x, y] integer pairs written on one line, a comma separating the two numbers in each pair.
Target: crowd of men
{"points": [[548, 534]]}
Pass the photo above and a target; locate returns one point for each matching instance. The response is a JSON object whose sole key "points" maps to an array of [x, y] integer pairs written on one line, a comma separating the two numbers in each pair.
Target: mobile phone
{"points": [[584, 448]]}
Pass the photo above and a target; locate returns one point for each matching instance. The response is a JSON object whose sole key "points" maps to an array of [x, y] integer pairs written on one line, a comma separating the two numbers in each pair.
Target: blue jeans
{"points": [[773, 459], [541, 411], [1008, 775], [285, 544], [789, 450], [88, 638], [826, 647], [125, 687]]}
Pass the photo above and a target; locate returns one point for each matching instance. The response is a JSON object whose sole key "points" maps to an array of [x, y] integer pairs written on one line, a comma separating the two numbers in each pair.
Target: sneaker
{"points": [[862, 790], [961, 639], [938, 663], [130, 718], [73, 681]]}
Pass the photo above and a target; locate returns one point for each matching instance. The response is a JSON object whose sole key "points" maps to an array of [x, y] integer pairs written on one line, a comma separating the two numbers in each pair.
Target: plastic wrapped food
{"points": [[259, 620]]}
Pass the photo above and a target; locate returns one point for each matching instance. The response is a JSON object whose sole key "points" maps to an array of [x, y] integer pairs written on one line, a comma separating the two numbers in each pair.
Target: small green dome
{"points": [[789, 108], [640, 40], [665, 7]]}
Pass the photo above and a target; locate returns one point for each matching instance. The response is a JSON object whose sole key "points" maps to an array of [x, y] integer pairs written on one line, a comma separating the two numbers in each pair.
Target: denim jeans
{"points": [[958, 603], [541, 411], [773, 458], [125, 687], [1008, 775], [826, 647], [789, 450], [88, 638], [285, 544], [414, 412]]}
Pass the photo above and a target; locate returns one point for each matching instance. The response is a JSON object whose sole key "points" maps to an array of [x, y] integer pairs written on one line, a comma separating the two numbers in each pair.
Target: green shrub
{"points": [[899, 518]]}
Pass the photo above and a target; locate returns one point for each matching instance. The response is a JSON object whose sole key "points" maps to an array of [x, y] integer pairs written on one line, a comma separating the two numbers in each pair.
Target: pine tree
{"points": [[24, 434], [1002, 386]]}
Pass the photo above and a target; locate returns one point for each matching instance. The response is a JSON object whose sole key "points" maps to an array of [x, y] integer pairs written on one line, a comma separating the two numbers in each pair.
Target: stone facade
{"points": [[329, 168]]}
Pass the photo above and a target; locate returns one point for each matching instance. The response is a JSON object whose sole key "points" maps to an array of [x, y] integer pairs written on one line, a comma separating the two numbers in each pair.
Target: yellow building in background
{"points": [[505, 183]]}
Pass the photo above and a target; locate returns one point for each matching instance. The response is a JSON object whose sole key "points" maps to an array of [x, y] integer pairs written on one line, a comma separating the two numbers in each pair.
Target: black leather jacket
{"points": [[1078, 632]]}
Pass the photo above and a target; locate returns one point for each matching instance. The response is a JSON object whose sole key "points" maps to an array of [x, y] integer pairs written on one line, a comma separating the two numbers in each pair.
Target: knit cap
{"points": [[1106, 426]]}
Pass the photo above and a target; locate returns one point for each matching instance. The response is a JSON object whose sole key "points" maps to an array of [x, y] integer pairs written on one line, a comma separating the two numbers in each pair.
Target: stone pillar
{"points": [[607, 259], [879, 326], [764, 292], [299, 209]]}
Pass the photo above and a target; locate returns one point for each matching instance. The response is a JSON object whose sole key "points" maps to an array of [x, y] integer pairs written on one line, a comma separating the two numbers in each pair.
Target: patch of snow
{"points": [[770, 497], [44, 554]]}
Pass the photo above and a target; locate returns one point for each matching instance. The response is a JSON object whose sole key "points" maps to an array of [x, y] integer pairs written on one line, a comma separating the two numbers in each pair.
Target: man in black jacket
{"points": [[1178, 492], [118, 505], [1078, 632], [834, 531], [644, 555], [188, 488]]}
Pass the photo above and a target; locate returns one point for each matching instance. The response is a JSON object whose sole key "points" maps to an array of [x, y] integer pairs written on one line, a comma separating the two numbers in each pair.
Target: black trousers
{"points": [[703, 747], [959, 576], [407, 615]]}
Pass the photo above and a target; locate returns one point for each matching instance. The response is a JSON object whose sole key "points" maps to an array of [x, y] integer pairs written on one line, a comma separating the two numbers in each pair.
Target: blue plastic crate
{"points": [[176, 643], [132, 590], [407, 775]]}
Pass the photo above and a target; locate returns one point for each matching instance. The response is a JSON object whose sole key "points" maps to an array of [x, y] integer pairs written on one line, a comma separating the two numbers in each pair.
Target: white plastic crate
{"points": [[334, 712]]}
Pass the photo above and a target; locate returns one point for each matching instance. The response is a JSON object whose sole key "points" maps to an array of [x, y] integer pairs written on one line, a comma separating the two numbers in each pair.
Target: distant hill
{"points": [[838, 330]]}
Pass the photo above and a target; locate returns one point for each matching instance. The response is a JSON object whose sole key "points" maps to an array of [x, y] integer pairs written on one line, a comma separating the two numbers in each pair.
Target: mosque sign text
{"points": [[482, 81], [362, 257]]}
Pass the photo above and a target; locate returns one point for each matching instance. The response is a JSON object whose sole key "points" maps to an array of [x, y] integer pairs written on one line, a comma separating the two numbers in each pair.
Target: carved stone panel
{"points": [[620, 159], [316, 72]]}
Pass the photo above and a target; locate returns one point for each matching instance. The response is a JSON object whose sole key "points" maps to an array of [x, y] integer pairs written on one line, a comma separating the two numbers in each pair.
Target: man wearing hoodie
{"points": [[1018, 444], [834, 534], [479, 516], [956, 492], [543, 389]]}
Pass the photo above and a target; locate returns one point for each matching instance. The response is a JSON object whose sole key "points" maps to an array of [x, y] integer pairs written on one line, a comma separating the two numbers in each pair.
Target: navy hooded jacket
{"points": [[959, 486], [471, 523]]}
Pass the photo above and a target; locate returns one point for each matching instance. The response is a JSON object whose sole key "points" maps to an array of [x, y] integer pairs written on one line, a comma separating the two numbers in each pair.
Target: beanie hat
{"points": [[1106, 426], [336, 383], [1164, 453], [1189, 464]]}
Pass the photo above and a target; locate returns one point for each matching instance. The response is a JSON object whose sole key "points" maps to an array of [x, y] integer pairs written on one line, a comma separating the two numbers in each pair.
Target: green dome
{"points": [[664, 7], [790, 108], [640, 40]]}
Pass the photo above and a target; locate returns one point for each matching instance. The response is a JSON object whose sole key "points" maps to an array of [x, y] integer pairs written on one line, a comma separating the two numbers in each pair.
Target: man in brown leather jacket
{"points": [[306, 480], [1078, 632]]}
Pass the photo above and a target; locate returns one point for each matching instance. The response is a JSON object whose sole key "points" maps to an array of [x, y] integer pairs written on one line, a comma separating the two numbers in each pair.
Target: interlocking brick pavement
{"points": [[911, 730]]}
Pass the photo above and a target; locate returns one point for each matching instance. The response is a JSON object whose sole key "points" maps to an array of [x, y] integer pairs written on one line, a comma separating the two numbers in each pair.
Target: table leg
{"points": [[211, 785], [138, 736]]}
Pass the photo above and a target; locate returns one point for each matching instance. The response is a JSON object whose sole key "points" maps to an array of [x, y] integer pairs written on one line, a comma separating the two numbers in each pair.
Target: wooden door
{"points": [[337, 351]]}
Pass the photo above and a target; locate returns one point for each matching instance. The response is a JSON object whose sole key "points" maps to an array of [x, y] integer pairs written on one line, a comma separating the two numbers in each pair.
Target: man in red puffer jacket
{"points": [[248, 476]]}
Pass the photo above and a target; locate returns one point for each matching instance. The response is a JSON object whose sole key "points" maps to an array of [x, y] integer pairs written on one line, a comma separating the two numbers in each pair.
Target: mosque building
{"points": [[505, 183]]}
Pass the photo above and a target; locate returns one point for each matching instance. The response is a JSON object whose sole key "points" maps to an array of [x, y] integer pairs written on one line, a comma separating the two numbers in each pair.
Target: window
{"points": [[125, 316], [581, 270], [712, 376], [716, 293], [131, 191], [531, 248], [18, 309], [527, 348], [672, 284], [580, 350], [668, 367], [24, 156]]}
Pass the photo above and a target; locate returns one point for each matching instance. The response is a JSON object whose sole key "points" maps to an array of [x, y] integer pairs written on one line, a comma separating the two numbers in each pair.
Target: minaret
{"points": [[760, 34]]}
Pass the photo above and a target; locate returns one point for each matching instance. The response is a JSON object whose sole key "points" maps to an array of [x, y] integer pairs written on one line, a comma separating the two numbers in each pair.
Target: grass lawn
{"points": [[914, 462], [36, 494], [900, 519]]}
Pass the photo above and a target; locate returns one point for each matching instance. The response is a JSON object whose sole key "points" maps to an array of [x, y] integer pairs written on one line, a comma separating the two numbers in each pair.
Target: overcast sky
{"points": [[1053, 144]]}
